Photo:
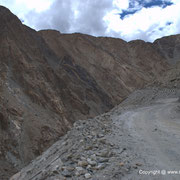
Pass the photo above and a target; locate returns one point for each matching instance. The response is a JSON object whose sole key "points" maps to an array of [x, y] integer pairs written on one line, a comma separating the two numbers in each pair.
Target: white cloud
{"points": [[147, 23], [37, 5], [121, 4], [72, 16], [22, 7], [99, 17]]}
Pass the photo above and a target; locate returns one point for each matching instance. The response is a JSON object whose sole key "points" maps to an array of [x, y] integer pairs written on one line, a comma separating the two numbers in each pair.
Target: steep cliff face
{"points": [[48, 80], [118, 67], [169, 47], [41, 94]]}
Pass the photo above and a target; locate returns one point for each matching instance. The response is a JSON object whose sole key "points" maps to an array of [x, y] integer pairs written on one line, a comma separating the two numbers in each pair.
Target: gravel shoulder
{"points": [[152, 135]]}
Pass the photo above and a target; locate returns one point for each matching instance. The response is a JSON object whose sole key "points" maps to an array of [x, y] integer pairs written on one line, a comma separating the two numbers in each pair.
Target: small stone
{"points": [[65, 143], [111, 144], [90, 137], [93, 157], [93, 133], [55, 171], [88, 148], [104, 153], [102, 140], [96, 145], [92, 163], [121, 164], [87, 176], [70, 168], [126, 169], [102, 160], [89, 167], [100, 166], [100, 135], [69, 156], [155, 129], [79, 171], [83, 158], [82, 163], [66, 173], [138, 164]]}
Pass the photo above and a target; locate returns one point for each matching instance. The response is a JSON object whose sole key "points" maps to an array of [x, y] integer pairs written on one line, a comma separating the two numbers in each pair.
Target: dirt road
{"points": [[153, 133]]}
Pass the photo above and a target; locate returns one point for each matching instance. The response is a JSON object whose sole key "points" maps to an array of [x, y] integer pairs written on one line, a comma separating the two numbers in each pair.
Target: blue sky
{"points": [[137, 5], [126, 19]]}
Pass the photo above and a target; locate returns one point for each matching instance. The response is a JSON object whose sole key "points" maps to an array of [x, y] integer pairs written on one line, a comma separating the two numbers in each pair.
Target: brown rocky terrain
{"points": [[117, 66], [48, 80], [169, 47], [41, 95]]}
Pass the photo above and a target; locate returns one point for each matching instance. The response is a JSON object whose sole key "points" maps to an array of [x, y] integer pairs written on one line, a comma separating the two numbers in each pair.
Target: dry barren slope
{"points": [[41, 94], [118, 67]]}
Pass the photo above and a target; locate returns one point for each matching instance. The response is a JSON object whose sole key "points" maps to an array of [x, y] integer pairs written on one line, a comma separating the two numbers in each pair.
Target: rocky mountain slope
{"points": [[49, 80], [117, 66], [169, 47], [41, 95]]}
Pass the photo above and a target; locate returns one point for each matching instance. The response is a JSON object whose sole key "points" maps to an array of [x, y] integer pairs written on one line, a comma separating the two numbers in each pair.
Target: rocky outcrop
{"points": [[169, 47]]}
